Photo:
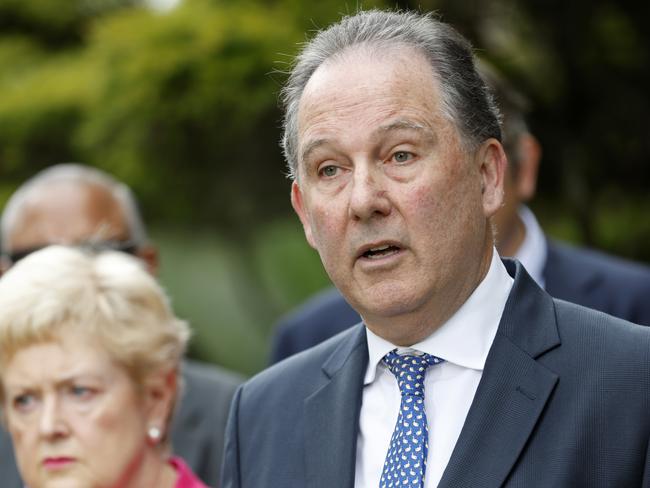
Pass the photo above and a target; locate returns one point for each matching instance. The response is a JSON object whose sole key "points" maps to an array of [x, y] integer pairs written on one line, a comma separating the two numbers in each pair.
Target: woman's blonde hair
{"points": [[107, 296]]}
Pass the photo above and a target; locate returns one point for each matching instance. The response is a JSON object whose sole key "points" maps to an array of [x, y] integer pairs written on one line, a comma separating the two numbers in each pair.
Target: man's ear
{"points": [[149, 254], [492, 164], [530, 153], [299, 206], [160, 389]]}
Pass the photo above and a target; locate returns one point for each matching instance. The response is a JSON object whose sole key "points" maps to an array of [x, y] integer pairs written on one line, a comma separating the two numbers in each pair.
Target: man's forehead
{"points": [[354, 63], [67, 213], [391, 91], [358, 76]]}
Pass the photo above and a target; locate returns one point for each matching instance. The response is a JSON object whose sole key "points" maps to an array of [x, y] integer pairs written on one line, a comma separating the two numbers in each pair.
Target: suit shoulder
{"points": [[597, 280], [610, 267], [602, 358], [599, 328]]}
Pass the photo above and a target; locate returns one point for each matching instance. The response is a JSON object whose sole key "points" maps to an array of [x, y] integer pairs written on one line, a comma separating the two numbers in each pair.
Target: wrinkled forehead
{"points": [[370, 65], [12, 343], [364, 89], [67, 213], [65, 354]]}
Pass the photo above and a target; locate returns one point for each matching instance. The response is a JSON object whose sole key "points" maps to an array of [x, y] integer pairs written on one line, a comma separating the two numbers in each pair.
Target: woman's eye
{"points": [[24, 401], [402, 156], [328, 171], [80, 392]]}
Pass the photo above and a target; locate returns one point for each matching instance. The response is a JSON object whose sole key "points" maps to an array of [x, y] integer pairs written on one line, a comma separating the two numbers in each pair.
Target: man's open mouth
{"points": [[380, 251]]}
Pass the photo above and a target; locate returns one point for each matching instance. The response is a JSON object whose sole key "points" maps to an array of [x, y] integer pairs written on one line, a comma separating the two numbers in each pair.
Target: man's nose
{"points": [[52, 421], [369, 195]]}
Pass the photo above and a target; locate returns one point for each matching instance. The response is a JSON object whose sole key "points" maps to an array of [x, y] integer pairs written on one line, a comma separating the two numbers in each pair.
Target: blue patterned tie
{"points": [[406, 459]]}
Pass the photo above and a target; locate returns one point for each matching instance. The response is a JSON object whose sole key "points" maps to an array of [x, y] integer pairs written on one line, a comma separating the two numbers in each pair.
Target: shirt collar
{"points": [[465, 339], [533, 250]]}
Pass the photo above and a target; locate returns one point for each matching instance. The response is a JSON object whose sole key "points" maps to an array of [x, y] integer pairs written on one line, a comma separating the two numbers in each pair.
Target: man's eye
{"points": [[328, 171], [402, 156]]}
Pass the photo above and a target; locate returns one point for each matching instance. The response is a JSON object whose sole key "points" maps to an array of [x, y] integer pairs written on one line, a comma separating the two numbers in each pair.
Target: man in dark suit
{"points": [[583, 276], [80, 205], [464, 372]]}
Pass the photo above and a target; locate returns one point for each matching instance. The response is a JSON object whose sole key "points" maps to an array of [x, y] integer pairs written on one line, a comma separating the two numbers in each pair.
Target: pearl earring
{"points": [[154, 434]]}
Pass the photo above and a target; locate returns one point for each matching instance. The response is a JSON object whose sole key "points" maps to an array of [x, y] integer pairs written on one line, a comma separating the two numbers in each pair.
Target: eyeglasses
{"points": [[126, 246]]}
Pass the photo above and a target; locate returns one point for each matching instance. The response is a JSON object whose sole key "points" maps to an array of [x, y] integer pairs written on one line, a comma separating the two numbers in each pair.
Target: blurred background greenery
{"points": [[179, 99]]}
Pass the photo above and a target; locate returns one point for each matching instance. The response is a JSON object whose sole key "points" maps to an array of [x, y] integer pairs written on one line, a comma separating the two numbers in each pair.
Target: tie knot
{"points": [[409, 369]]}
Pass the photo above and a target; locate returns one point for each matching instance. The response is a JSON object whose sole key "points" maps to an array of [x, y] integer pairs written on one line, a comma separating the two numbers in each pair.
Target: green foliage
{"points": [[188, 97], [54, 23], [199, 272], [230, 307], [181, 105], [40, 106], [622, 224], [289, 270]]}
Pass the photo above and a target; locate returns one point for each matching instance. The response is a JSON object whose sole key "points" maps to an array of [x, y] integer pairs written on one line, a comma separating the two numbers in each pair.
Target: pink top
{"points": [[186, 479]]}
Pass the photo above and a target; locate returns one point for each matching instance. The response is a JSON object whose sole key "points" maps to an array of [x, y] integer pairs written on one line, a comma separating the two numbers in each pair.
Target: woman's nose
{"points": [[52, 421]]}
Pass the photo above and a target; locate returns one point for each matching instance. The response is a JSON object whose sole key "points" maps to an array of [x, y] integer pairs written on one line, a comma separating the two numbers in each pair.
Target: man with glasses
{"points": [[72, 204]]}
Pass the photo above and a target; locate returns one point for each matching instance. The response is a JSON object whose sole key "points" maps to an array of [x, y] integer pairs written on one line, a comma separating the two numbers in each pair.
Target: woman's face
{"points": [[75, 416]]}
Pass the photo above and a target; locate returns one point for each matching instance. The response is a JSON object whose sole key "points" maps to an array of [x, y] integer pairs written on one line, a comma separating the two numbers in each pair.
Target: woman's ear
{"points": [[160, 390]]}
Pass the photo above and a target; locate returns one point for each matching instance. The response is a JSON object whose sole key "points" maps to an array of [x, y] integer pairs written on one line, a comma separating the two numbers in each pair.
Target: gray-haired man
{"points": [[464, 373]]}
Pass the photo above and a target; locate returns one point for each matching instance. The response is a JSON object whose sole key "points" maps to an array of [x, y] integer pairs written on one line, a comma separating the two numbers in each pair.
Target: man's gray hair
{"points": [[74, 173], [466, 101]]}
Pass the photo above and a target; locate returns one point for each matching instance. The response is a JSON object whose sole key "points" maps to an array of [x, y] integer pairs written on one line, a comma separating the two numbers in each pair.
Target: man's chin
{"points": [[384, 310]]}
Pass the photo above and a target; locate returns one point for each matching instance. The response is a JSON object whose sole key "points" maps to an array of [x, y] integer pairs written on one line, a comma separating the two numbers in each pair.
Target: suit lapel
{"points": [[513, 391], [332, 415]]}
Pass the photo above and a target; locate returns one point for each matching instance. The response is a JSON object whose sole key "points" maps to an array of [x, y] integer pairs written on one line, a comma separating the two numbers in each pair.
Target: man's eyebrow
{"points": [[392, 126], [407, 125], [311, 146]]}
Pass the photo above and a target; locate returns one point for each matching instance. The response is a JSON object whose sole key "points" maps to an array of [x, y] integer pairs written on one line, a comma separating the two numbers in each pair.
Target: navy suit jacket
{"points": [[563, 402], [586, 277], [198, 428]]}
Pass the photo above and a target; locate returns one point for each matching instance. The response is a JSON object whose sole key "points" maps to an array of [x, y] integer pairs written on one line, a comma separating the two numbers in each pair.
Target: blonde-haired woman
{"points": [[89, 359]]}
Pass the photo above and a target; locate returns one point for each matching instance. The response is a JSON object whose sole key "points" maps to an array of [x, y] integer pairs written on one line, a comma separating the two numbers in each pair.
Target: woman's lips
{"points": [[56, 463]]}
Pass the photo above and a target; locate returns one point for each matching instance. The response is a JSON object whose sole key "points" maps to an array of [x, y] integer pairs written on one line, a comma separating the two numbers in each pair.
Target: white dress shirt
{"points": [[533, 250], [463, 342]]}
